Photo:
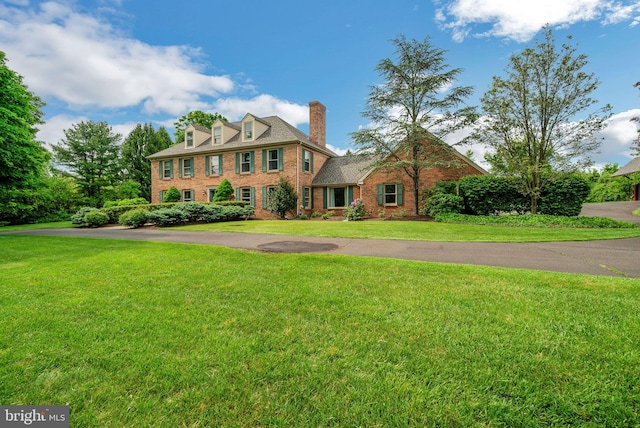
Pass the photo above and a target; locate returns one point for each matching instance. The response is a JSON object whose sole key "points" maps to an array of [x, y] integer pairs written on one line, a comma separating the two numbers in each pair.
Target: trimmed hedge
{"points": [[564, 195], [488, 195], [536, 220], [96, 219], [124, 202], [114, 213]]}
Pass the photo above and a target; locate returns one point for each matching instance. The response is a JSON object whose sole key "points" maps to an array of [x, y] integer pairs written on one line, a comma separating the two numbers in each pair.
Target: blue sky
{"points": [[139, 61]]}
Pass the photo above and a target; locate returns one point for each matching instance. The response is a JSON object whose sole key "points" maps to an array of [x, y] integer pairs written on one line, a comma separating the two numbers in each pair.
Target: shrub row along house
{"points": [[255, 152]]}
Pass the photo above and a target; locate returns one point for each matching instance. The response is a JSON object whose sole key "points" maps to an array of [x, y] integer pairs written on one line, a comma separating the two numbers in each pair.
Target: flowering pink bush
{"points": [[356, 210]]}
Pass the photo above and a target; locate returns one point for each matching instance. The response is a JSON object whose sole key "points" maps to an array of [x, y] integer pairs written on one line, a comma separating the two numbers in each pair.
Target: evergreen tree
{"points": [[22, 158], [224, 192], [282, 199], [415, 107], [143, 141], [172, 195], [89, 153]]}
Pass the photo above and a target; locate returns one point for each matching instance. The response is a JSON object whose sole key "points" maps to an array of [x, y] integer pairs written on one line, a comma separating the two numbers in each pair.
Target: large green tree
{"points": [[89, 153], [197, 117], [417, 103], [140, 143], [535, 121], [22, 158]]}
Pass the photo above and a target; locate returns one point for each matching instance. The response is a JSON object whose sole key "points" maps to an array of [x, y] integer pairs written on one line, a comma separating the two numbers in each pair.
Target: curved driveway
{"points": [[618, 257]]}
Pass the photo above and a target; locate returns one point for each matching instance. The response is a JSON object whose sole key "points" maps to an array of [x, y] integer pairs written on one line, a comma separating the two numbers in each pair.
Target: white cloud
{"points": [[618, 137], [85, 62], [521, 20], [52, 131], [263, 105]]}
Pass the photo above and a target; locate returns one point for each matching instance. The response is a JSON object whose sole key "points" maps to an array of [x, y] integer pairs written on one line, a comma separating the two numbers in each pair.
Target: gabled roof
{"points": [[344, 170], [201, 128], [279, 132], [630, 168]]}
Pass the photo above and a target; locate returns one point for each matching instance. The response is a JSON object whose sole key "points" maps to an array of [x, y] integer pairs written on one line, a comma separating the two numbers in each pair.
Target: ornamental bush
{"points": [[443, 203], [192, 211], [134, 218], [96, 218], [172, 195], [282, 199], [356, 210], [78, 217], [167, 217], [224, 192]]}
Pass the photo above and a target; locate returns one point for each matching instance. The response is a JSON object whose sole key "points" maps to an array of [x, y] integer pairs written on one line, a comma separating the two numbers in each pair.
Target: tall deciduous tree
{"points": [[22, 158], [415, 107], [141, 142], [532, 115], [89, 152], [197, 117]]}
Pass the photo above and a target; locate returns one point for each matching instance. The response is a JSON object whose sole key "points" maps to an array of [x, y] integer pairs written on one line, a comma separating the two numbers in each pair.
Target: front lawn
{"points": [[415, 230], [161, 334], [54, 225]]}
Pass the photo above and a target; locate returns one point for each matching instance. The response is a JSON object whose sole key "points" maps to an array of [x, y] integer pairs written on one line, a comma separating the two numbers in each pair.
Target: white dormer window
{"points": [[248, 130], [217, 135], [189, 139]]}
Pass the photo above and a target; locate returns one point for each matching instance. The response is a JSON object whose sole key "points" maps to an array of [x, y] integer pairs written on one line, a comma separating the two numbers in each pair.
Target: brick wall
{"points": [[200, 183]]}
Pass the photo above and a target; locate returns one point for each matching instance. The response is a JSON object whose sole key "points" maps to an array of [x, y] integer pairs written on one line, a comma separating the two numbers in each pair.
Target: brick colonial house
{"points": [[255, 152]]}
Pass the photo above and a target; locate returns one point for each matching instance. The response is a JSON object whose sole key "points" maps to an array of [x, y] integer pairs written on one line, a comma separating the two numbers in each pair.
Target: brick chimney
{"points": [[318, 123]]}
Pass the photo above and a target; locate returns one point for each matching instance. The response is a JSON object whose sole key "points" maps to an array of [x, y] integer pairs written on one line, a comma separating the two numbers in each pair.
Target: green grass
{"points": [[170, 335], [54, 225], [415, 230]]}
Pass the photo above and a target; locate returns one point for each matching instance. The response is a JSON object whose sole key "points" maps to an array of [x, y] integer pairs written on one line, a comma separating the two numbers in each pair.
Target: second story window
{"points": [[248, 130], [273, 160], [189, 139], [167, 169], [217, 135], [245, 162], [307, 161], [215, 165], [187, 167]]}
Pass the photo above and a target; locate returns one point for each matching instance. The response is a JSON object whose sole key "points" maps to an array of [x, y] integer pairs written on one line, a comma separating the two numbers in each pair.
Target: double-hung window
{"points": [[245, 162], [248, 130], [217, 135], [187, 195], [272, 160], [167, 169], [307, 161], [190, 139], [214, 166], [390, 194], [187, 167]]}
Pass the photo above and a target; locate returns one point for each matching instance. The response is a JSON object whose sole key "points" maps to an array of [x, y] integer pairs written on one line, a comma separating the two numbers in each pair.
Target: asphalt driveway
{"points": [[618, 257]]}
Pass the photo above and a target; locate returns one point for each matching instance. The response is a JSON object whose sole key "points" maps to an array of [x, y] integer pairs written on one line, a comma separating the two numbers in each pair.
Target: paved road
{"points": [[619, 257]]}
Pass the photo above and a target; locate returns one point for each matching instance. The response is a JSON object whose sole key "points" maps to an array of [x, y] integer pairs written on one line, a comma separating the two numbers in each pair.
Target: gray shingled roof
{"points": [[630, 168], [279, 132], [344, 170]]}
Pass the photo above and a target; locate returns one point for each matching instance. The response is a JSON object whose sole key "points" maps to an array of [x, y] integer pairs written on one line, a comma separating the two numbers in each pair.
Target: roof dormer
{"points": [[194, 135], [222, 132], [252, 128]]}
